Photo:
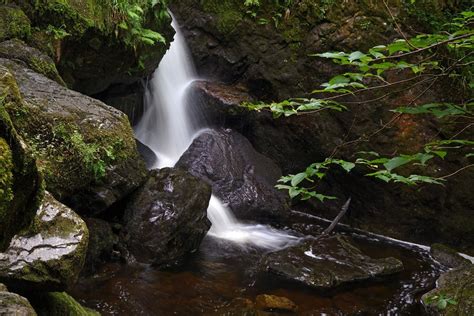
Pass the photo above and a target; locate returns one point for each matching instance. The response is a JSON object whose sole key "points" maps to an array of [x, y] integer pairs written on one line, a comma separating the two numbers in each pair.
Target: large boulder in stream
{"points": [[454, 294], [167, 218], [327, 263], [50, 254], [240, 176], [85, 148]]}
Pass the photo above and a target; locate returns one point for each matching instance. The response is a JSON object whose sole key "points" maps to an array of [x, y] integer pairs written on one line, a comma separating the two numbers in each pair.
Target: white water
{"points": [[168, 128]]}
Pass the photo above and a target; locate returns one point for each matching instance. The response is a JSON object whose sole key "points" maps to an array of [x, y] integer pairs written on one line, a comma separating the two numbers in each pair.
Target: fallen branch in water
{"points": [[336, 221]]}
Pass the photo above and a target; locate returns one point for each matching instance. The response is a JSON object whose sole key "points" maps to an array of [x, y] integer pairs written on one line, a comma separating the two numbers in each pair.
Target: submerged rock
{"points": [[167, 218], [327, 263], [454, 294], [240, 176], [272, 303], [14, 304], [50, 254], [85, 148]]}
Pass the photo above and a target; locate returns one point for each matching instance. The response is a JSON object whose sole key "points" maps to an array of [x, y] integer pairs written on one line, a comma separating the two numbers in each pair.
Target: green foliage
{"points": [[6, 177], [131, 21], [94, 157], [441, 301], [447, 54]]}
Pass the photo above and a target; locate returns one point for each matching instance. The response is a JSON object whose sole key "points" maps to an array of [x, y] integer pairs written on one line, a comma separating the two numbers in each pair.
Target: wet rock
{"points": [[16, 49], [14, 304], [59, 304], [102, 241], [272, 303], [457, 286], [50, 254], [166, 219], [448, 256], [148, 155], [21, 188], [13, 23], [241, 177], [327, 263], [85, 148]]}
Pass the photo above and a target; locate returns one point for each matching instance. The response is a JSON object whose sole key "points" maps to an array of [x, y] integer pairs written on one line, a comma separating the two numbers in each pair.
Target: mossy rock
{"points": [[48, 255], [60, 304], [456, 285], [20, 182], [85, 35], [14, 304], [16, 49], [13, 23], [85, 148]]}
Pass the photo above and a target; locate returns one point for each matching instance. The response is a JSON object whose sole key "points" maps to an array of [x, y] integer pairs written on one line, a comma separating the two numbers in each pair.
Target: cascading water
{"points": [[168, 129]]}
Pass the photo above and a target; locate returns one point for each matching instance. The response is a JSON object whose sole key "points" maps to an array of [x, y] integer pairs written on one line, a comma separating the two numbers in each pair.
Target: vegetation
{"points": [[424, 59]]}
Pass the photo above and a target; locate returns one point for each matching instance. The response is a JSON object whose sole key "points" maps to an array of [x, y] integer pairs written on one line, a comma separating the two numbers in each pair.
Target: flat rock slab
{"points": [[50, 254], [327, 263]]}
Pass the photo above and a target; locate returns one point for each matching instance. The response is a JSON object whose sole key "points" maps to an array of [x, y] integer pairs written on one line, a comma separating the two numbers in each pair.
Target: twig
{"points": [[456, 172], [336, 221], [396, 25]]}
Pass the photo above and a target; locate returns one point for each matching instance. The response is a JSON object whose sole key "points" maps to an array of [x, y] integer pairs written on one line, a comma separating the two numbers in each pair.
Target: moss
{"points": [[6, 180], [59, 304], [13, 23], [229, 13]]}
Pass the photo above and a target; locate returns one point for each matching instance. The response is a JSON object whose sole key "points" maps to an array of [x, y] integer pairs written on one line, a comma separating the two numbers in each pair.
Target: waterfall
{"points": [[167, 127]]}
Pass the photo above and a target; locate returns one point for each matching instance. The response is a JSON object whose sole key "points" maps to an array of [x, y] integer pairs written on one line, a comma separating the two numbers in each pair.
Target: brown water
{"points": [[221, 272]]}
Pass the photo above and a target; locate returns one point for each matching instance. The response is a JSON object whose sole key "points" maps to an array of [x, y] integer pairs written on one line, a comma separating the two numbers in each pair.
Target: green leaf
{"points": [[396, 162], [297, 179]]}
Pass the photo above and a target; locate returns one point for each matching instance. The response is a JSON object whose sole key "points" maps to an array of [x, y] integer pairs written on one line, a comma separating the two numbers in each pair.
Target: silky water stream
{"points": [[226, 266]]}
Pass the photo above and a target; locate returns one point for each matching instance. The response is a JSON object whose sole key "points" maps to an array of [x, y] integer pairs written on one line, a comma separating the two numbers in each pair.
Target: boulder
{"points": [[13, 23], [85, 148], [50, 254], [166, 218], [147, 154], [240, 176], [102, 243], [17, 50], [454, 294], [21, 185], [59, 304], [327, 263], [448, 256], [14, 304]]}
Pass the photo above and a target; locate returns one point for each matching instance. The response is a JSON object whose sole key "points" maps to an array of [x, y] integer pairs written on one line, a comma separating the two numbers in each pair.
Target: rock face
{"points": [[327, 263], [50, 254], [32, 57], [14, 304], [457, 285], [20, 182], [85, 148], [448, 257], [167, 217], [241, 177]]}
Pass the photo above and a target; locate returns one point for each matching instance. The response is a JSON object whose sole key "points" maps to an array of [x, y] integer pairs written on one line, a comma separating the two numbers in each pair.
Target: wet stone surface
{"points": [[50, 254], [327, 263]]}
